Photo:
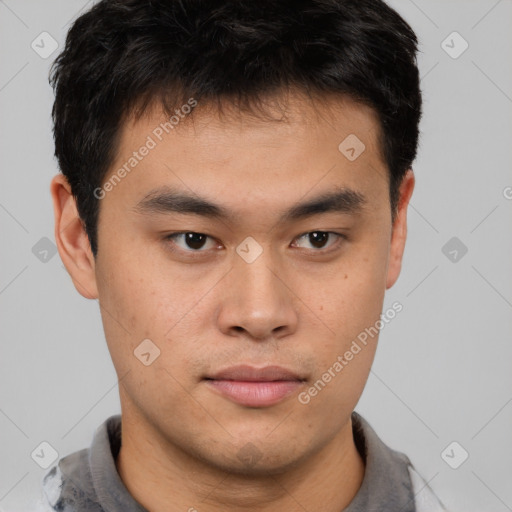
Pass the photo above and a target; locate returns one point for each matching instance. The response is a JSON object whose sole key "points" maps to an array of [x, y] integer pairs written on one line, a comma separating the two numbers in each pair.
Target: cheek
{"points": [[132, 305], [142, 298], [138, 306], [352, 295], [345, 354], [350, 304], [145, 294]]}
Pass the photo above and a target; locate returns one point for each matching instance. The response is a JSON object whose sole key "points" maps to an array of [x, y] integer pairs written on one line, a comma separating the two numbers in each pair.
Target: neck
{"points": [[162, 477]]}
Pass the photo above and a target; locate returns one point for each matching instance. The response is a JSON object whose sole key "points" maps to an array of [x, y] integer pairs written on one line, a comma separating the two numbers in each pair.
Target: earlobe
{"points": [[71, 238], [399, 234]]}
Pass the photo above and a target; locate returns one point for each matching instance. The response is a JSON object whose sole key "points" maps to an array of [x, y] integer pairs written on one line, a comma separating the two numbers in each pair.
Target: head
{"points": [[235, 181]]}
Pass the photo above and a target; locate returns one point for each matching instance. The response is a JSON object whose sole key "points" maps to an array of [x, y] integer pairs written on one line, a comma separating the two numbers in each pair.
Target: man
{"points": [[234, 191]]}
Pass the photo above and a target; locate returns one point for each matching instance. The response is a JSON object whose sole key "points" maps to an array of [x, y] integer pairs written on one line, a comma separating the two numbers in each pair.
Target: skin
{"points": [[297, 305]]}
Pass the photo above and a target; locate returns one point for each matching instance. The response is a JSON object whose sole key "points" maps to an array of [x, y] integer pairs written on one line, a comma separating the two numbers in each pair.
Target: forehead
{"points": [[297, 143], [291, 115]]}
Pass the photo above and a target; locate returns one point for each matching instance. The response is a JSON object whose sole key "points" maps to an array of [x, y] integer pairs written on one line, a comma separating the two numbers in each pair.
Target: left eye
{"points": [[318, 239]]}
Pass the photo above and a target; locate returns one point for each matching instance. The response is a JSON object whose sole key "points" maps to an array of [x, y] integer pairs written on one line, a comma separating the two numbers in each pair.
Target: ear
{"points": [[399, 233], [72, 241]]}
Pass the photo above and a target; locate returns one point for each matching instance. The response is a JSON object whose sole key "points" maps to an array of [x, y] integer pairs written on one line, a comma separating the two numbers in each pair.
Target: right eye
{"points": [[190, 241]]}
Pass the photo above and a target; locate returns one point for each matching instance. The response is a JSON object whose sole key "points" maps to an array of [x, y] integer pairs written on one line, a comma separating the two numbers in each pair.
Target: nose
{"points": [[258, 301]]}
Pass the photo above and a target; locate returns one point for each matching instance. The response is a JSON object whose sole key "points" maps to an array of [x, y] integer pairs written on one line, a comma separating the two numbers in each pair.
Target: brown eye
{"points": [[318, 239], [195, 240], [189, 241]]}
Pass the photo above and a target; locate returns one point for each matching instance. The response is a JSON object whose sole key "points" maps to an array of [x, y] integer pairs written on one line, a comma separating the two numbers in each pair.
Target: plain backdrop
{"points": [[443, 370]]}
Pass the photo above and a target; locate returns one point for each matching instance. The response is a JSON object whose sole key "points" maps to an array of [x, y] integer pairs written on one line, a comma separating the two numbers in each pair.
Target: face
{"points": [[251, 254]]}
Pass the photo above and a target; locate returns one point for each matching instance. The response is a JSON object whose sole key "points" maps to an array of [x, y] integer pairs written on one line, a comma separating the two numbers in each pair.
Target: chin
{"points": [[254, 459], [257, 469]]}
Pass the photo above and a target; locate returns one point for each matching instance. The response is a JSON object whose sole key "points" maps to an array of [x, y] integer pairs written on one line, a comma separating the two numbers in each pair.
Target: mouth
{"points": [[255, 387]]}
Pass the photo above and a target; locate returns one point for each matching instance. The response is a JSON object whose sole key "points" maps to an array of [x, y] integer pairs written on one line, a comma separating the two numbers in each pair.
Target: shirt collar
{"points": [[90, 477]]}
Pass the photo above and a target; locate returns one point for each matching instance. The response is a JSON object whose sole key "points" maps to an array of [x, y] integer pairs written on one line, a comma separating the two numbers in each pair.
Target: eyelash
{"points": [[332, 247]]}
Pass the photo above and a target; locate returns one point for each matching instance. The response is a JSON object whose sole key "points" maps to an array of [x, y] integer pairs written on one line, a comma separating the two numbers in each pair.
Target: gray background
{"points": [[443, 367]]}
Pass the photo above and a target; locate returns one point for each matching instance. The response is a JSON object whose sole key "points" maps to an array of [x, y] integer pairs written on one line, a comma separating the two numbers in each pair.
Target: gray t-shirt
{"points": [[88, 481]]}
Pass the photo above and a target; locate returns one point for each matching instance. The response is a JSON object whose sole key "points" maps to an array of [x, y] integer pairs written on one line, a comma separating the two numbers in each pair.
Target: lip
{"points": [[255, 387], [252, 374]]}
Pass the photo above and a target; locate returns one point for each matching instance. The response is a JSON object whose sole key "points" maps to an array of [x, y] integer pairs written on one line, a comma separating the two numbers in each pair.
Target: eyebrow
{"points": [[167, 200]]}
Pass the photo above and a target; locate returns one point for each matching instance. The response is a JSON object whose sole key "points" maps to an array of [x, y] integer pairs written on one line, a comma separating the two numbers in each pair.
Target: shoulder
{"points": [[71, 485], [391, 482], [68, 486], [425, 499]]}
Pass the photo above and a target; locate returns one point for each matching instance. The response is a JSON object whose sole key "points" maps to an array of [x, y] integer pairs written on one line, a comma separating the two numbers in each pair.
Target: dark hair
{"points": [[123, 55]]}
